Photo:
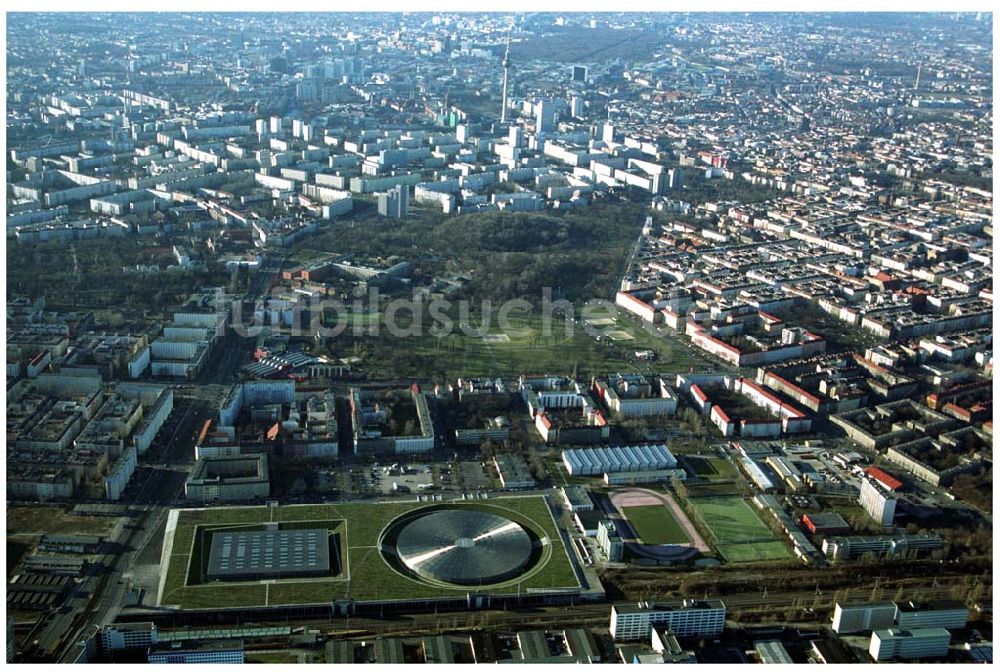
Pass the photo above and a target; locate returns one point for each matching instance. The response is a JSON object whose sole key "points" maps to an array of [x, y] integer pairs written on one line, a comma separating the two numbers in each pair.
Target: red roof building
{"points": [[825, 523], [886, 480]]}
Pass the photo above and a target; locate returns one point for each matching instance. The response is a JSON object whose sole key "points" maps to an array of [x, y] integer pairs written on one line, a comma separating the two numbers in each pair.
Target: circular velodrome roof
{"points": [[465, 547]]}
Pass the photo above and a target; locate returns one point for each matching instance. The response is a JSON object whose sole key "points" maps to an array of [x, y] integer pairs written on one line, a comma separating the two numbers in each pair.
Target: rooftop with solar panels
{"points": [[269, 553]]}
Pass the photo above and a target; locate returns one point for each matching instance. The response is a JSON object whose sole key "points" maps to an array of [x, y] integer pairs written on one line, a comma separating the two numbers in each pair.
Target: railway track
{"points": [[597, 615]]}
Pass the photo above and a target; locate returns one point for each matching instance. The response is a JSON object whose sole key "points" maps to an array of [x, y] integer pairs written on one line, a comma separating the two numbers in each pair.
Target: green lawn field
{"points": [[737, 530], [723, 468], [712, 490], [731, 520], [525, 343], [655, 524], [760, 551]]}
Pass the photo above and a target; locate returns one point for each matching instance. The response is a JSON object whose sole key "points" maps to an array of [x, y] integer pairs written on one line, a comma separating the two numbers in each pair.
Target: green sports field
{"points": [[712, 490], [731, 520], [739, 534], [655, 524], [758, 551], [365, 574]]}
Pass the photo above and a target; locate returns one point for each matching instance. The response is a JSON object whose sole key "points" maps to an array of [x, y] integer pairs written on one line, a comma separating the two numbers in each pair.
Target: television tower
{"points": [[506, 71]]}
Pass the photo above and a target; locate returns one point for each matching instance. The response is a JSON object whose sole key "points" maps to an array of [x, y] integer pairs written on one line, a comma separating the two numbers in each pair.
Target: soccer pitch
{"points": [[739, 534], [731, 520], [655, 524], [364, 574]]}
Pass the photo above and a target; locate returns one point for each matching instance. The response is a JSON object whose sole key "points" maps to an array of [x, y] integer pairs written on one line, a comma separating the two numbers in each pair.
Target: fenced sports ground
{"points": [[737, 531]]}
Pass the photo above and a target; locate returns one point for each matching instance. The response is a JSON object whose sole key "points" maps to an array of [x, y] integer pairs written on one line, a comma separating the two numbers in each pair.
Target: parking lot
{"points": [[356, 480], [411, 478], [473, 476], [403, 478]]}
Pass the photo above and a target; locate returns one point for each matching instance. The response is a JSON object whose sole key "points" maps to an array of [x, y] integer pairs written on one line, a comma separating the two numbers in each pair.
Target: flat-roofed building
{"points": [[54, 564], [845, 548], [646, 476], [665, 643], [128, 636], [772, 652], [269, 554], [581, 645], [831, 652], [863, 617], [896, 643], [395, 202], [438, 650], [594, 461], [686, 618], [636, 396], [389, 651], [204, 652], [70, 543], [825, 523], [514, 472], [577, 498], [610, 543], [979, 652], [229, 478], [588, 522], [880, 504], [950, 614]]}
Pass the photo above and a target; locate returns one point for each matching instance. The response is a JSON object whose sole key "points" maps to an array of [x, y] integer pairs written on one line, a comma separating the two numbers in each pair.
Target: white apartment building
{"points": [[863, 617], [908, 644], [120, 473], [611, 545], [634, 621], [879, 504], [950, 614], [203, 652], [843, 548]]}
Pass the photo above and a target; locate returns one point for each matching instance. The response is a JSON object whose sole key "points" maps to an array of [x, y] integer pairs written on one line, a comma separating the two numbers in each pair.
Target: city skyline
{"points": [[556, 336]]}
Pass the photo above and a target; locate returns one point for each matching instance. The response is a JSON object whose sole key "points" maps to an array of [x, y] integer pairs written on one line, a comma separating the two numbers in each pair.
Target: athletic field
{"points": [[656, 519], [655, 525]]}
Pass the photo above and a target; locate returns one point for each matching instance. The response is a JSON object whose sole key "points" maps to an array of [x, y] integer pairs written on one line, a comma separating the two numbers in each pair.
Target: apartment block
{"points": [[896, 643], [686, 618], [879, 504], [863, 617], [950, 614]]}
